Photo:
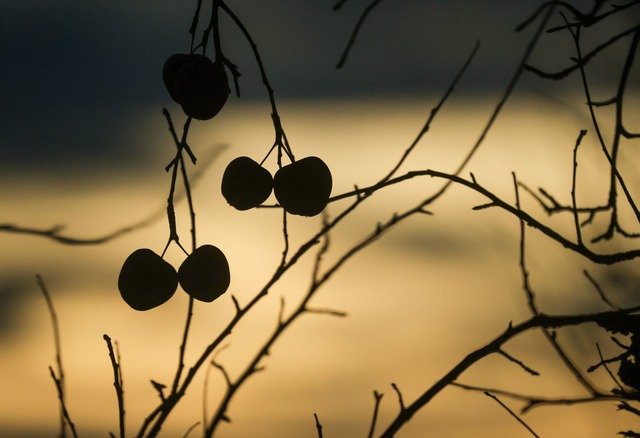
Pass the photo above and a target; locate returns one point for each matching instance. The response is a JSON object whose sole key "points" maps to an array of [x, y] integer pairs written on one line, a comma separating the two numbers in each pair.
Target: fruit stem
{"points": [[214, 25], [281, 138], [194, 25]]}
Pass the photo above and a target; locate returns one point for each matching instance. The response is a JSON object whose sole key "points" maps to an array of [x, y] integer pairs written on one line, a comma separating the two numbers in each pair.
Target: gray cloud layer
{"points": [[73, 72]]}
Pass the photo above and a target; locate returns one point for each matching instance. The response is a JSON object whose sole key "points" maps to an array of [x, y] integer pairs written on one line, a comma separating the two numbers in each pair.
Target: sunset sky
{"points": [[83, 146]]}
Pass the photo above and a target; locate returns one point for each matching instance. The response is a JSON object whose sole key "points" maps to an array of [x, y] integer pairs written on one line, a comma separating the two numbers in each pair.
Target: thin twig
{"points": [[513, 414], [573, 186], [63, 405], [376, 408], [191, 428], [536, 401], [58, 348], [194, 25], [400, 398], [603, 362], [318, 425], [117, 383], [522, 259], [356, 31], [518, 362], [599, 290]]}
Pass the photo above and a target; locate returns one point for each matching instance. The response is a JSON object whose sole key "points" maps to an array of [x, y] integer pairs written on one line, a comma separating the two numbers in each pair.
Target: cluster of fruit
{"points": [[198, 84], [302, 187], [201, 87], [147, 280]]}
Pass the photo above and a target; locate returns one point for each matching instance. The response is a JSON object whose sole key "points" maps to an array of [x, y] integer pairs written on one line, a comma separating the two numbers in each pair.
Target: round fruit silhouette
{"points": [[170, 70], [246, 184], [198, 84], [204, 274], [146, 280], [303, 187]]}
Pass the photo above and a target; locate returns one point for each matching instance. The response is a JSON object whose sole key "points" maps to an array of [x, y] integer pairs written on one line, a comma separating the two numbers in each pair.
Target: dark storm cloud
{"points": [[74, 73], [70, 74]]}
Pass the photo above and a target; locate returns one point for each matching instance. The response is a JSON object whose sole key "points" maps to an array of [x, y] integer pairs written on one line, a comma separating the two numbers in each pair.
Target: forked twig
{"points": [[376, 408]]}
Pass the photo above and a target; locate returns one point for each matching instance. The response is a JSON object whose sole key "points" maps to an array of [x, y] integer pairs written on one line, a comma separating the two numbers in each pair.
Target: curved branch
{"points": [[542, 321]]}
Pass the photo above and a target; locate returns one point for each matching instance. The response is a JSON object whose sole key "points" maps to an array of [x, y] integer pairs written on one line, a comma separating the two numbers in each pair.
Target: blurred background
{"points": [[84, 145]]}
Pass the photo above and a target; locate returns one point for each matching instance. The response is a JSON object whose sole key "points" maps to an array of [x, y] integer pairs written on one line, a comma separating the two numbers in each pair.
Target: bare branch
{"points": [[538, 321]]}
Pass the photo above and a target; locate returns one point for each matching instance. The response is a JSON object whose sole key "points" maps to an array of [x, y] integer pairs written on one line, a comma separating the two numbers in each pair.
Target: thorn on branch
{"points": [[400, 399], [236, 304], [159, 387], [376, 408], [624, 406], [484, 206], [318, 425], [281, 312], [330, 312]]}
